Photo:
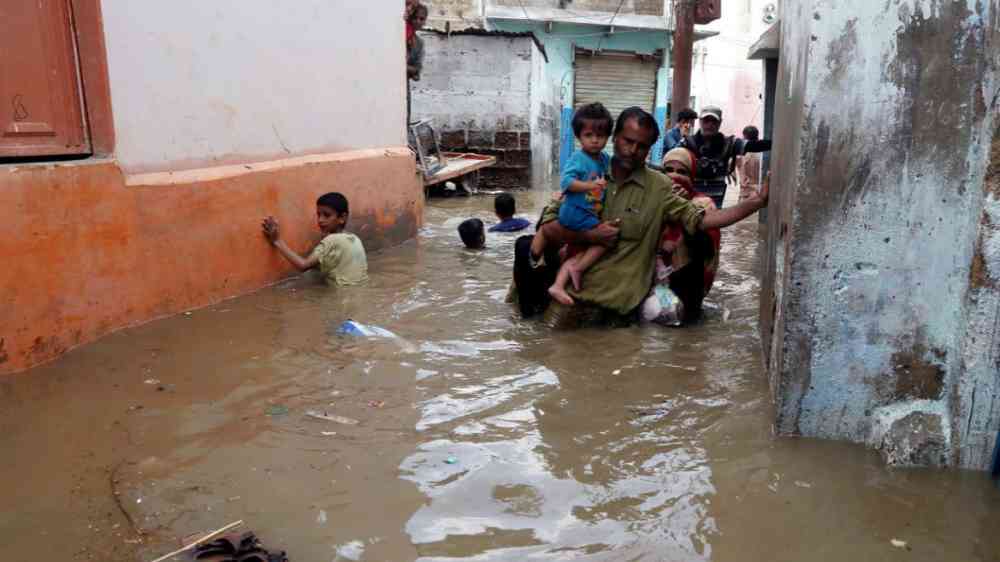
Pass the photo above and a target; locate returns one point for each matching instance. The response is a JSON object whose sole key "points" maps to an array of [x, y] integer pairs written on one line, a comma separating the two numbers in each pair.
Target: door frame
{"points": [[88, 30]]}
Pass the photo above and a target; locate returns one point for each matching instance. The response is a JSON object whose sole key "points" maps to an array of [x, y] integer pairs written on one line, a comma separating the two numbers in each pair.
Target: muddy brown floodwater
{"points": [[479, 436]]}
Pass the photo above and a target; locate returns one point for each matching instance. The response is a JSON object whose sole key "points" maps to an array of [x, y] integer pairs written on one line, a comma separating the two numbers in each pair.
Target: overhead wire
{"points": [[611, 24], [523, 9]]}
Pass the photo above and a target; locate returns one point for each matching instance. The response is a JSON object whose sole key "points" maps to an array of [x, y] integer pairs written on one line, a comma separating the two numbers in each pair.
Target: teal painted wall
{"points": [[559, 46]]}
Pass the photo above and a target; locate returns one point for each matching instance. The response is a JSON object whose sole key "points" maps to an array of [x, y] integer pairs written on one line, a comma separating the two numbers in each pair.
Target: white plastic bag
{"points": [[663, 307]]}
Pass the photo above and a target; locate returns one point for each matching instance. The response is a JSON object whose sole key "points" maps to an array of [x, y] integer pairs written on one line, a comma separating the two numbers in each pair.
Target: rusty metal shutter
{"points": [[41, 110], [617, 80]]}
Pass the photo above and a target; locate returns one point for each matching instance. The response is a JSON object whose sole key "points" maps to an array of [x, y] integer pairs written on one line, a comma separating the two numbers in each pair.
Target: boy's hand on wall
{"points": [[271, 230]]}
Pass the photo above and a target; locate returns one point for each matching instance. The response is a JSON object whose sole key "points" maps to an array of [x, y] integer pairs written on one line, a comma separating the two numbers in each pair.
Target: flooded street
{"points": [[478, 436]]}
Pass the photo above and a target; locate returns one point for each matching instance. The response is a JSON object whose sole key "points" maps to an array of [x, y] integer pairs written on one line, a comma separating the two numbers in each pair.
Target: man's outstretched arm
{"points": [[721, 218]]}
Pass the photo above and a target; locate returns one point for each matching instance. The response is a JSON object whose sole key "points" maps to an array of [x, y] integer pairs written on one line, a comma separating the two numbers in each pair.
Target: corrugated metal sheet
{"points": [[616, 80]]}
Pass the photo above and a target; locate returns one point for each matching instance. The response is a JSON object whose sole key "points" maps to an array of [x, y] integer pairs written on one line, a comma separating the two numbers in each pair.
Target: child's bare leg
{"points": [[538, 244], [558, 289], [582, 263]]}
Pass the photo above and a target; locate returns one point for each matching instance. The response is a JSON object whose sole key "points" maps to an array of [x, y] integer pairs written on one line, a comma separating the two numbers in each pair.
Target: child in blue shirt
{"points": [[505, 206], [583, 186]]}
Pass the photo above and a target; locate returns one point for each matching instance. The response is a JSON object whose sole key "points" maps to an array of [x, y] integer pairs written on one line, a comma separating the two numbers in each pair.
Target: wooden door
{"points": [[41, 109]]}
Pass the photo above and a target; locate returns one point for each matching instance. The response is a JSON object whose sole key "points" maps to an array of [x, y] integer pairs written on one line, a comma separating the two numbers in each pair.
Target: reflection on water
{"points": [[473, 435]]}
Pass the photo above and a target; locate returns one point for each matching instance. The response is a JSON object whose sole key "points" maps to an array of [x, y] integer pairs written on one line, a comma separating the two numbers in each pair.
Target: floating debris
{"points": [[352, 328], [331, 418], [452, 459], [898, 543], [277, 410]]}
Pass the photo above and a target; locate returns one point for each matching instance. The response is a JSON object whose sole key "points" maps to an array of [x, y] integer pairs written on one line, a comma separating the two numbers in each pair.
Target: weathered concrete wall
{"points": [[881, 326], [546, 119], [197, 84], [477, 90], [86, 253]]}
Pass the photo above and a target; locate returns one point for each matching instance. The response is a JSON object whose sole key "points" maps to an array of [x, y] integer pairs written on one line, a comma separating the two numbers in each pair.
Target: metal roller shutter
{"points": [[617, 80]]}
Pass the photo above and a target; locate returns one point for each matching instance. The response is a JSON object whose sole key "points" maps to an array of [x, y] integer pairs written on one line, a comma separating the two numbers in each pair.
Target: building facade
{"points": [[147, 141]]}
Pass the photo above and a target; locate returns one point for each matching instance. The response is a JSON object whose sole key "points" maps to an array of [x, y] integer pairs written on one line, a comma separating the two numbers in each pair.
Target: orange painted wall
{"points": [[84, 254]]}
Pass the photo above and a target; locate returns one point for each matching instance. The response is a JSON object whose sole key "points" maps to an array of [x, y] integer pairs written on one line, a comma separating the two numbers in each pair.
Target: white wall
{"points": [[196, 83]]}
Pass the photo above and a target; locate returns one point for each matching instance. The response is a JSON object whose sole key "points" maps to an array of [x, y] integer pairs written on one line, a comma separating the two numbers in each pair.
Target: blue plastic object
{"points": [[352, 328]]}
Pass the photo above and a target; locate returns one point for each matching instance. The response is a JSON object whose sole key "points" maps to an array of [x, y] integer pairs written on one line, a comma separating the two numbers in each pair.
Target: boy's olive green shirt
{"points": [[645, 202], [342, 259]]}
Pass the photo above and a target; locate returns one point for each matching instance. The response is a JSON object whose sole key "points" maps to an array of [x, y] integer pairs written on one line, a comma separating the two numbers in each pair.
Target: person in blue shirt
{"points": [[583, 183], [505, 207], [685, 123]]}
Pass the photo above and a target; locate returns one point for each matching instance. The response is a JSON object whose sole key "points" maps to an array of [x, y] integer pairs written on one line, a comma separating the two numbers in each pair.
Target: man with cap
{"points": [[716, 154]]}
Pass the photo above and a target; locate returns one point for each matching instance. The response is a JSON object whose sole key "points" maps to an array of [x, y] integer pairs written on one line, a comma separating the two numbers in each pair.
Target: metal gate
{"points": [[617, 80]]}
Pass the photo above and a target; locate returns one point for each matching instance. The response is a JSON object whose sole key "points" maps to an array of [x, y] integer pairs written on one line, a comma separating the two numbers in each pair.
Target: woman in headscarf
{"points": [[686, 264]]}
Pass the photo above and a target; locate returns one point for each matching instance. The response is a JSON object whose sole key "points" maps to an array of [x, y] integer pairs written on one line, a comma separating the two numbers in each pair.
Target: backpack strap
{"points": [[728, 155]]}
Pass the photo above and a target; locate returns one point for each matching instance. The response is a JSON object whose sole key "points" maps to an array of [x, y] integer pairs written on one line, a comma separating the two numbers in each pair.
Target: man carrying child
{"points": [[644, 202]]}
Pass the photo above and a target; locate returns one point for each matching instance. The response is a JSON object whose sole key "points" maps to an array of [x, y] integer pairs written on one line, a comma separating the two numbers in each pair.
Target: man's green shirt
{"points": [[645, 202]]}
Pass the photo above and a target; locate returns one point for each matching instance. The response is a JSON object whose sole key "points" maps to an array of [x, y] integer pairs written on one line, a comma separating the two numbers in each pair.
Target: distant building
{"points": [[720, 73]]}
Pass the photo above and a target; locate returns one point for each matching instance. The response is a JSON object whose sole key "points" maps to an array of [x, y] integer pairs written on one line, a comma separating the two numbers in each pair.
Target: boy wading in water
{"points": [[583, 186], [340, 256], [473, 234]]}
